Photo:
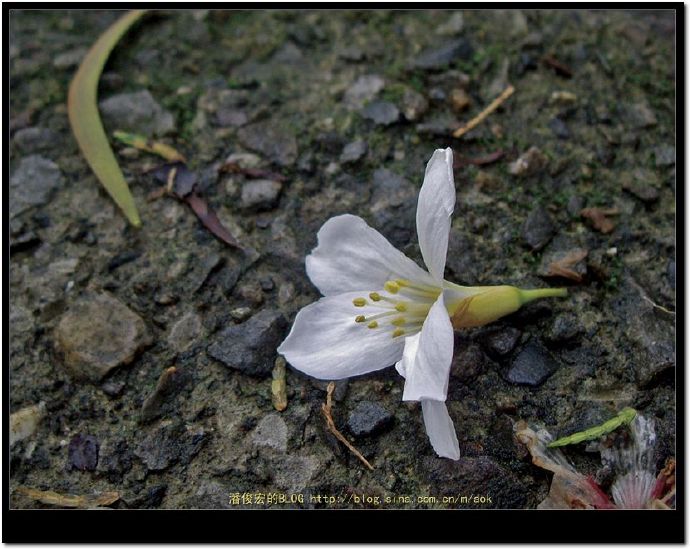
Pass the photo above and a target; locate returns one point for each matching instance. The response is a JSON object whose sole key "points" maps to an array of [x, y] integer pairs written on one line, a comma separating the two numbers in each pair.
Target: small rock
{"points": [[532, 365], [469, 361], [24, 422], [459, 100], [383, 113], [364, 89], [531, 162], [351, 53], [168, 383], [671, 273], [33, 183], [34, 139], [69, 59], [575, 205], [538, 228], [352, 152], [559, 128], [136, 112], [452, 26], [368, 418], [275, 142], [114, 458], [664, 155], [82, 452], [168, 443], [272, 432], [113, 388], [250, 347], [260, 194], [641, 115], [246, 161], [565, 327], [438, 58], [99, 333], [231, 117], [642, 183], [500, 343], [241, 313], [414, 105]]}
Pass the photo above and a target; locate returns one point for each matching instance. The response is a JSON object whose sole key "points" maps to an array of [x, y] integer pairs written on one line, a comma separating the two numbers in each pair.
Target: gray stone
{"points": [[69, 59], [664, 155], [185, 331], [538, 228], [414, 105], [531, 162], [363, 90], [99, 333], [437, 58], [82, 452], [271, 432], [33, 183], [341, 386], [168, 443], [115, 458], [392, 204], [293, 473], [559, 128], [136, 112], [532, 365], [352, 152], [277, 143], [383, 113], [469, 361], [642, 183], [565, 327], [640, 115], [260, 194], [670, 272], [368, 418], [575, 205], [35, 139], [250, 347], [500, 343]]}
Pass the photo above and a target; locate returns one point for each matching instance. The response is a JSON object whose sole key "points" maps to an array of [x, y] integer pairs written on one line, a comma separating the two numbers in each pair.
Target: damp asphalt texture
{"points": [[153, 348]]}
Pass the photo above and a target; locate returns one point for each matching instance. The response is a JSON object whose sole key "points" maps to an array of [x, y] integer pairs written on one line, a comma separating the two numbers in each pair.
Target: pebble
{"points": [[368, 418], [250, 347], [24, 422], [35, 139], [459, 99], [414, 105], [354, 151], [532, 365], [277, 143], [185, 332], [559, 128], [563, 98], [99, 333], [642, 183], [136, 112], [69, 59], [168, 443], [565, 327], [538, 228], [114, 458], [469, 361], [33, 183], [113, 388], [241, 313], [575, 205], [664, 155], [529, 163], [168, 383], [260, 194], [383, 113], [246, 161], [364, 89], [436, 58], [640, 115], [82, 452], [271, 432], [500, 343]]}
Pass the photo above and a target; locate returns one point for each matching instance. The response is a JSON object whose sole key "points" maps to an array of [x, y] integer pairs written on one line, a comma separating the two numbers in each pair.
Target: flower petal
{"points": [[434, 209], [409, 354], [440, 429], [325, 341], [352, 256], [427, 375]]}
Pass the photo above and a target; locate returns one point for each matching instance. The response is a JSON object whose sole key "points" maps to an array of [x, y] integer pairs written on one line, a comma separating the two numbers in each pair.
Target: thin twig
{"points": [[486, 112], [657, 306], [326, 409]]}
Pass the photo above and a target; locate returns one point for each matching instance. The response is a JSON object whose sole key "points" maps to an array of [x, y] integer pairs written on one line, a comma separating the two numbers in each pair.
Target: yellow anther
{"points": [[373, 324], [359, 302], [398, 332], [401, 307], [360, 318], [374, 296], [402, 282], [399, 321], [391, 287]]}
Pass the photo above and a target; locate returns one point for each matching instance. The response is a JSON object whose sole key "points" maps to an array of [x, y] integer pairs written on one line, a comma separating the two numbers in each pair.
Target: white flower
{"points": [[381, 308]]}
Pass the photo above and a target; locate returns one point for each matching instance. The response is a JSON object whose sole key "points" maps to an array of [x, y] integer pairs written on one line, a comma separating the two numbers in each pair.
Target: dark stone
{"points": [[664, 155], [250, 347], [151, 498], [352, 152], [383, 113], [565, 327], [169, 443], [439, 58], [369, 418], [122, 259], [115, 458], [476, 476], [82, 452], [24, 241], [575, 205], [276, 143], [538, 228], [136, 112], [170, 382], [559, 128], [340, 391], [201, 268], [532, 365], [500, 343], [33, 183], [260, 194], [527, 62], [469, 361]]}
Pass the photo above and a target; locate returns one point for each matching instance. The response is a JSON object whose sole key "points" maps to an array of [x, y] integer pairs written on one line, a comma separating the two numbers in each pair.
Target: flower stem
{"points": [[530, 295]]}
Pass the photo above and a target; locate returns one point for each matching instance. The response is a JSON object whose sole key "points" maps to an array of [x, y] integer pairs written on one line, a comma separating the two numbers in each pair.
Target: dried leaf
{"points": [[143, 144], [86, 122], [179, 179], [254, 173], [278, 386], [599, 219], [60, 500], [210, 220], [559, 68], [563, 267], [459, 161]]}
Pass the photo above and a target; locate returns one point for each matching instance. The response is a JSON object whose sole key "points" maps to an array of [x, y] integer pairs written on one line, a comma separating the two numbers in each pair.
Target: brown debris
{"points": [[459, 161], [486, 112], [68, 500], [599, 218], [168, 381], [559, 68], [326, 410], [278, 385], [252, 173], [563, 267]]}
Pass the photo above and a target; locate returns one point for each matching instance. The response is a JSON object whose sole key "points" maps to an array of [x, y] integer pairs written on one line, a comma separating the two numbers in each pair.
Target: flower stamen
{"points": [[359, 302]]}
